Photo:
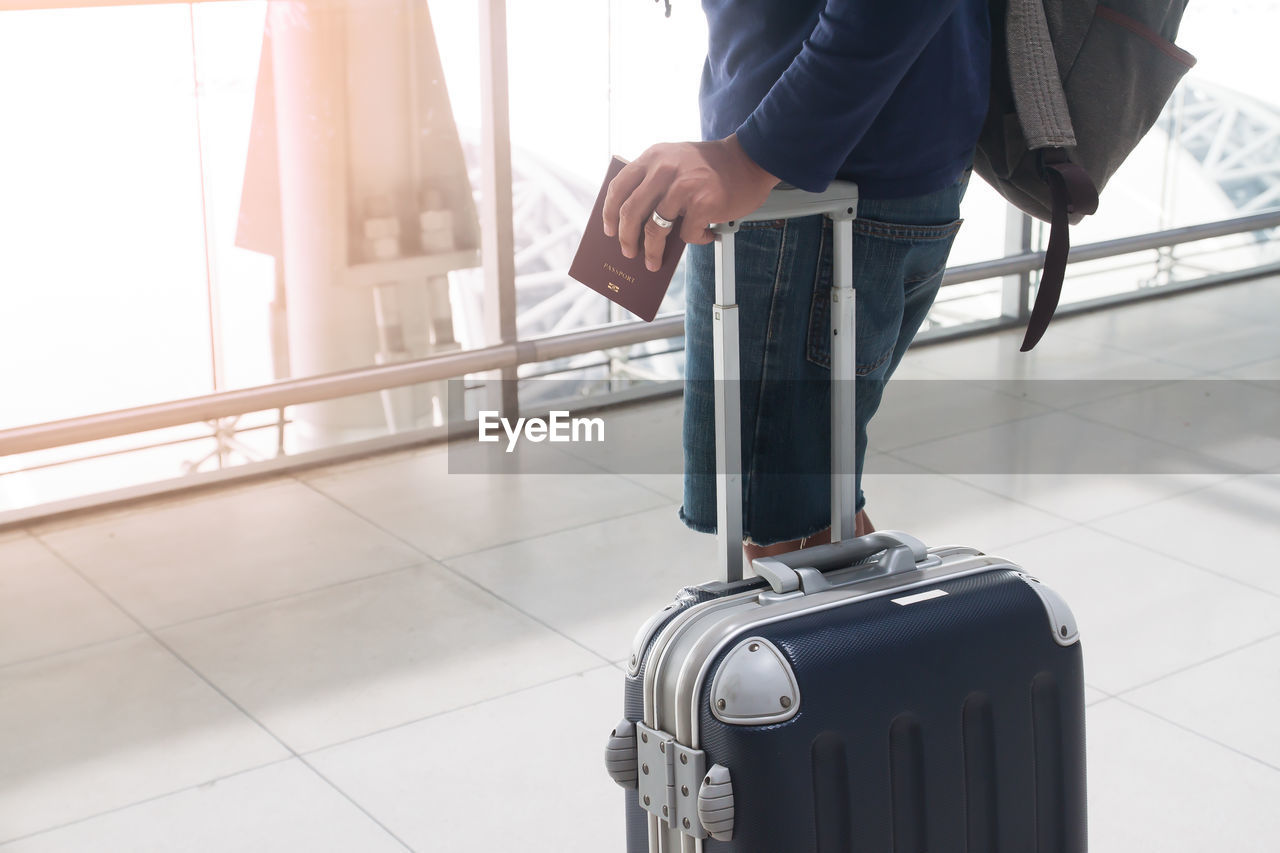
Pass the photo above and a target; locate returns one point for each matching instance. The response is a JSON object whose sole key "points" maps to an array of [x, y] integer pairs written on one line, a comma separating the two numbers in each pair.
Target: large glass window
{"points": [[219, 195], [104, 301], [211, 196]]}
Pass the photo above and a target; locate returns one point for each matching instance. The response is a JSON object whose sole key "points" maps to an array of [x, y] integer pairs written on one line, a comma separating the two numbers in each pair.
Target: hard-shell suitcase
{"points": [[869, 695]]}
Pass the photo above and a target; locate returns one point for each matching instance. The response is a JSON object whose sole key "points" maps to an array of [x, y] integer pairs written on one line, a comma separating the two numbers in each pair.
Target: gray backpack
{"points": [[1074, 85]]}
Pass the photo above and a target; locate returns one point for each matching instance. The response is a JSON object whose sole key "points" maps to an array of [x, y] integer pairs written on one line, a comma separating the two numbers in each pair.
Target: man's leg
{"points": [[783, 394], [900, 250], [862, 526]]}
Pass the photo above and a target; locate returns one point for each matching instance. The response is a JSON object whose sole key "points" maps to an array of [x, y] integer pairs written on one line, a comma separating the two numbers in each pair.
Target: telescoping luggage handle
{"points": [[839, 202]]}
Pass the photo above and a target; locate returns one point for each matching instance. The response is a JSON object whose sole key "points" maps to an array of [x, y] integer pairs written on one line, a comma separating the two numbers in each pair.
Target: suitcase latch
{"points": [[670, 779]]}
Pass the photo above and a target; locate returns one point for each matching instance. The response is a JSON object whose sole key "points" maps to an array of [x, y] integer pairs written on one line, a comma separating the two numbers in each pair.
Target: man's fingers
{"points": [[655, 237], [620, 189], [694, 229], [633, 215]]}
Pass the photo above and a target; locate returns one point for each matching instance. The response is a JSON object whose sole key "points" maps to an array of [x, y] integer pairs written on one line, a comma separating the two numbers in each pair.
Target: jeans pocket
{"points": [[893, 265]]}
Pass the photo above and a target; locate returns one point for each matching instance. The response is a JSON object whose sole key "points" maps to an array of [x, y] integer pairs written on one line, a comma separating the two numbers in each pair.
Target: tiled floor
{"points": [[382, 655]]}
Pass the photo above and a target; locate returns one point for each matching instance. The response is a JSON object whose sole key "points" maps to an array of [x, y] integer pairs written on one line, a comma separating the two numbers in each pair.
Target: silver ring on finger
{"points": [[660, 220]]}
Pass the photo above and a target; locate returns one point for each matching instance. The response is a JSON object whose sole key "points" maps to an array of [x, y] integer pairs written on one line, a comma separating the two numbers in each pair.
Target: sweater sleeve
{"points": [[813, 116]]}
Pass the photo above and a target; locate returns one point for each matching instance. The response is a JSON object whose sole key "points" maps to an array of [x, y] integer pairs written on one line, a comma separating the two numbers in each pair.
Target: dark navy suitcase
{"points": [[867, 696]]}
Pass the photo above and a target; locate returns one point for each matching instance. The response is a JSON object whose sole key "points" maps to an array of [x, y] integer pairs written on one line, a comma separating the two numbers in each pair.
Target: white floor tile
{"points": [[1153, 786], [638, 439], [1232, 423], [1266, 371], [281, 807], [92, 730], [600, 582], [445, 514], [944, 511], [1073, 364], [912, 366], [1231, 347], [669, 486], [1143, 615], [170, 562], [877, 465], [524, 772], [1061, 354], [1247, 301], [1230, 528], [1231, 699], [915, 411], [1063, 464], [1101, 383], [1054, 443], [45, 607], [1147, 329], [346, 661], [1084, 498]]}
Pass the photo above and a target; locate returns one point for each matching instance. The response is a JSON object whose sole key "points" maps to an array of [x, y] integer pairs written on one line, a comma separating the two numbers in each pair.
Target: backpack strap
{"points": [[1073, 192], [1033, 74]]}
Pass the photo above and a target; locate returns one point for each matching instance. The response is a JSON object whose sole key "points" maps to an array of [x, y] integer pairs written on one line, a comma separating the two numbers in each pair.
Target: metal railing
{"points": [[1109, 248], [509, 356]]}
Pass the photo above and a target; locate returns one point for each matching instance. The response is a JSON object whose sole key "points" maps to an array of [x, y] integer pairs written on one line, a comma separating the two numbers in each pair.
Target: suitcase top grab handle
{"points": [[787, 572], [839, 202]]}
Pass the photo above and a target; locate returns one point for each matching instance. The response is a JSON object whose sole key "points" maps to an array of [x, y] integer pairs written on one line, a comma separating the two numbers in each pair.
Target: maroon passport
{"points": [[601, 266]]}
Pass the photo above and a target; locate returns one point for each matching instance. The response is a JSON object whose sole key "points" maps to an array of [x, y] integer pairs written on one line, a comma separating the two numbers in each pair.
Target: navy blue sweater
{"points": [[888, 93]]}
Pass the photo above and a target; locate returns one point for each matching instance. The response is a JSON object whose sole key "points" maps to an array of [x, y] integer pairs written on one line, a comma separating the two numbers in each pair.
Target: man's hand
{"points": [[703, 182]]}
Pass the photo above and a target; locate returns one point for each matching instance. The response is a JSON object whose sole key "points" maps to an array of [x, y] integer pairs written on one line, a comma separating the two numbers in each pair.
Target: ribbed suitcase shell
{"points": [[952, 725]]}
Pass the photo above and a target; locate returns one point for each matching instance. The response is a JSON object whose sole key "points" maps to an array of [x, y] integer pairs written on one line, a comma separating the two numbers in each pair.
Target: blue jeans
{"points": [[900, 249]]}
